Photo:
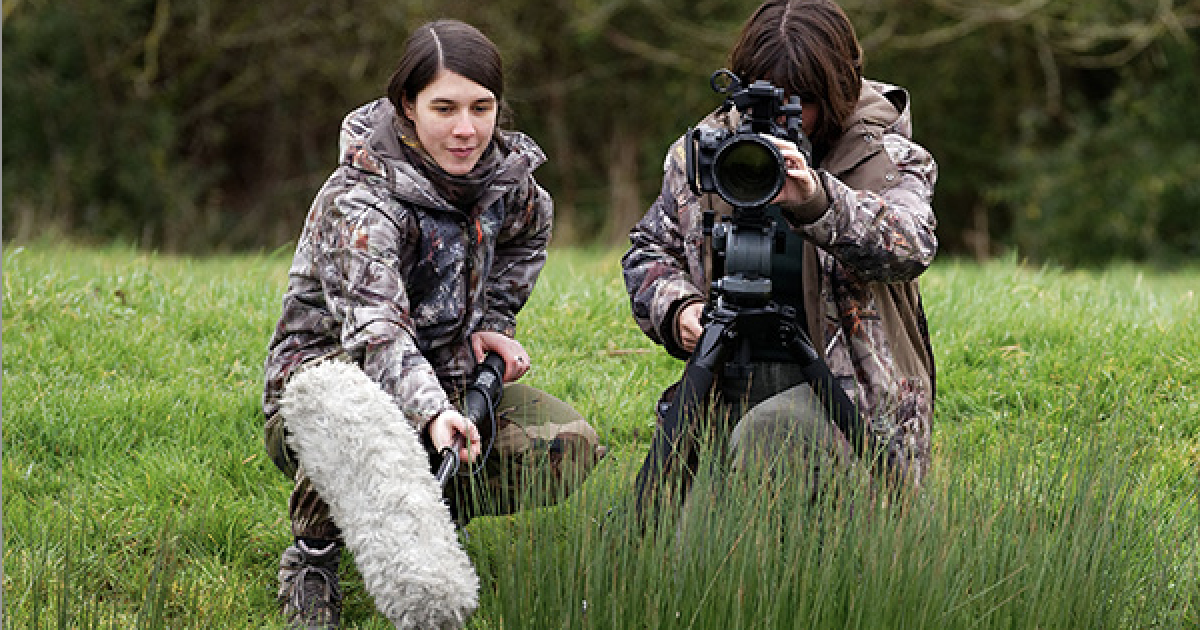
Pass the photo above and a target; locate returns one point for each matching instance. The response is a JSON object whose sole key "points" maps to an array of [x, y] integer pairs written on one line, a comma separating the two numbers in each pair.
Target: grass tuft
{"points": [[1064, 489]]}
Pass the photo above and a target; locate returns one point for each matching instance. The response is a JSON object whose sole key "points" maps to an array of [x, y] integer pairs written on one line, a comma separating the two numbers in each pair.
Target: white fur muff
{"points": [[366, 461]]}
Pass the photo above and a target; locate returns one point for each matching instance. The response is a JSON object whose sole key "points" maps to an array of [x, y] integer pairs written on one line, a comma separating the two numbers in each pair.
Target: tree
{"points": [[190, 125]]}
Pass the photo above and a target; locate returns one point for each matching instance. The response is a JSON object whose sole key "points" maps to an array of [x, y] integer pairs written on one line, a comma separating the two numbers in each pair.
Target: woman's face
{"points": [[808, 117], [454, 119]]}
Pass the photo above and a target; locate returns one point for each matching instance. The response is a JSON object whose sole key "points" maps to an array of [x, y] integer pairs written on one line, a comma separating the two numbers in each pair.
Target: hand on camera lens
{"points": [[801, 182]]}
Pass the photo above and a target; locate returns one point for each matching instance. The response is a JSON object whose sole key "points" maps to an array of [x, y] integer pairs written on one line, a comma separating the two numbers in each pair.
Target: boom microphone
{"points": [[366, 461]]}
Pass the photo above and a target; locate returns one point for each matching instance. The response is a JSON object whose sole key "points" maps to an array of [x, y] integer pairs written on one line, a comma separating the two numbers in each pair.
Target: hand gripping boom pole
{"points": [[483, 393], [367, 463]]}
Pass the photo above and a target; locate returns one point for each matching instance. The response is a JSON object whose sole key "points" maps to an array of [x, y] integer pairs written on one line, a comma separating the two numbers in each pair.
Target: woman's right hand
{"points": [[689, 326], [801, 184], [448, 425]]}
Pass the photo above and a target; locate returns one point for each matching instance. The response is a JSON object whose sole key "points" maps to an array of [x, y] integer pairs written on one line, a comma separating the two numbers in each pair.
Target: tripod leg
{"points": [[672, 442], [841, 409]]}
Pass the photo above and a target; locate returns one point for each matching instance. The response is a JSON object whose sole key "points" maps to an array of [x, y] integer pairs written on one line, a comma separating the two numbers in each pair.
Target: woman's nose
{"points": [[463, 125]]}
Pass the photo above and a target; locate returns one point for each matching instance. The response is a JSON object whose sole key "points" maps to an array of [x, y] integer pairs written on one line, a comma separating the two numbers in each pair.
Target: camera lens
{"points": [[748, 171]]}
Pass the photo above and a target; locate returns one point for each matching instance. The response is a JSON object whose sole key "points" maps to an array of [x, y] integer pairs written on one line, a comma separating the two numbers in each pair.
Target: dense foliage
{"points": [[187, 125]]}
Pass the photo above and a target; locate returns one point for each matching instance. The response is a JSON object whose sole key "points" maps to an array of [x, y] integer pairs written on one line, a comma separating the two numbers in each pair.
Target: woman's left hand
{"points": [[801, 183], [516, 360]]}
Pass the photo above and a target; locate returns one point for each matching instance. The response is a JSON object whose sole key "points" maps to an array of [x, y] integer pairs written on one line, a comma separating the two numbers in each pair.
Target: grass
{"points": [[1064, 490]]}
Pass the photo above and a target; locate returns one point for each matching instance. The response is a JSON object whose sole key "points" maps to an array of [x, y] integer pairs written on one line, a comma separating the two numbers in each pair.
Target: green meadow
{"points": [[1064, 491]]}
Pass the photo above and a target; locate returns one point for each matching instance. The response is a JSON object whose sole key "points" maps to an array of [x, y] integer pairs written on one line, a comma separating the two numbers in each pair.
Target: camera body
{"points": [[745, 169], [743, 166]]}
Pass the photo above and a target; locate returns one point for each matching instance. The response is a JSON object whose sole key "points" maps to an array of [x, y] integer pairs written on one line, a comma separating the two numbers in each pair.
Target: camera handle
{"points": [[672, 447], [483, 393]]}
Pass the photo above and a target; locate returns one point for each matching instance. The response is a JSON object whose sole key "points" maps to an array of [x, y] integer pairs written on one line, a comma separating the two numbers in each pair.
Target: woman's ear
{"points": [[406, 107]]}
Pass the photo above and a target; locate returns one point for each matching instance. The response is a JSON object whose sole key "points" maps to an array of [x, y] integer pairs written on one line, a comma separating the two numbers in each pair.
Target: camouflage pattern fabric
{"points": [[397, 265], [390, 273], [543, 451], [862, 257]]}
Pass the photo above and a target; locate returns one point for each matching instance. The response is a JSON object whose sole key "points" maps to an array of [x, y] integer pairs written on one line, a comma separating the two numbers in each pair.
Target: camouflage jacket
{"points": [[861, 260], [392, 276]]}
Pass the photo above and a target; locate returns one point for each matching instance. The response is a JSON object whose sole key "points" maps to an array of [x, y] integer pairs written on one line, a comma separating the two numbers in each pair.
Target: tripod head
{"points": [[742, 247]]}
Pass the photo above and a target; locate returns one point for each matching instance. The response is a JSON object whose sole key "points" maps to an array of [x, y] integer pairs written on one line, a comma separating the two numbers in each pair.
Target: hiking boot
{"points": [[308, 586]]}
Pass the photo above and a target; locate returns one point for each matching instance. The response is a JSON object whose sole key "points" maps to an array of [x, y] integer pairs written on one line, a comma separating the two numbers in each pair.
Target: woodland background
{"points": [[1065, 129]]}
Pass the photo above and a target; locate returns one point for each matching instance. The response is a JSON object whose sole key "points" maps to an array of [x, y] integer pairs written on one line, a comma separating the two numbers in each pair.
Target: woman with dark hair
{"points": [[859, 229], [415, 258]]}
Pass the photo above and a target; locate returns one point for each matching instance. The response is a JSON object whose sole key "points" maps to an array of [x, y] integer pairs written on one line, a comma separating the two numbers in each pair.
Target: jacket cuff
{"points": [[495, 322], [669, 329], [799, 214], [421, 421]]}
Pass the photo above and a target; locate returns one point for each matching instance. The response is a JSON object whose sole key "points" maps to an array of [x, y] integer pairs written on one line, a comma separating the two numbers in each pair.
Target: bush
{"points": [[1123, 184]]}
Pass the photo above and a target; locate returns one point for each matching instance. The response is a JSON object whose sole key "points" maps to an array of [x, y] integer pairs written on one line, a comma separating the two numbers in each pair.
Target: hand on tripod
{"points": [[689, 327]]}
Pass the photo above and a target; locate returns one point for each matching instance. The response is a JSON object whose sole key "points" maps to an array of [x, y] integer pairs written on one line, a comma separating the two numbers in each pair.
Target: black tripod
{"points": [[741, 304]]}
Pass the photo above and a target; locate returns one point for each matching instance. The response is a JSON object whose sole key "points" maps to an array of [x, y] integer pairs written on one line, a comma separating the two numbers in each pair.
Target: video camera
{"points": [[742, 166], [745, 168], [747, 171]]}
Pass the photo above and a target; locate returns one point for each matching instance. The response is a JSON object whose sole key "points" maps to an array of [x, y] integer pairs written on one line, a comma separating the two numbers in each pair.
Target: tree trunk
{"points": [[625, 206]]}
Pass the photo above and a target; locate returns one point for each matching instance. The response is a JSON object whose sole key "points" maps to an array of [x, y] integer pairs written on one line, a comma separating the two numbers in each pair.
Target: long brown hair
{"points": [[451, 45], [808, 48]]}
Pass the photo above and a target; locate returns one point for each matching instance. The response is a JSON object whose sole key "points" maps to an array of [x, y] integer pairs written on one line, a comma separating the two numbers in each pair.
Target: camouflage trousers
{"points": [[775, 409], [769, 418], [543, 450]]}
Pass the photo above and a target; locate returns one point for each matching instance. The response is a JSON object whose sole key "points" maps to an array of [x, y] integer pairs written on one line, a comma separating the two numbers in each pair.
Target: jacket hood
{"points": [[884, 106], [881, 109], [370, 142]]}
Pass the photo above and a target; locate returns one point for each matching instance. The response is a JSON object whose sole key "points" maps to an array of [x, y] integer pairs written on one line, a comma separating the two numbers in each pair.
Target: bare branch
{"points": [[643, 50]]}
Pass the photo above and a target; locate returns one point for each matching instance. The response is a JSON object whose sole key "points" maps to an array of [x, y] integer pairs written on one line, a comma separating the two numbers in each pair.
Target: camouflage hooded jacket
{"points": [[393, 276], [873, 236]]}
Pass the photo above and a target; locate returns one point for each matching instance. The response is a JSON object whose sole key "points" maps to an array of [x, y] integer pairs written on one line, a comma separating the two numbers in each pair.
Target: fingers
{"points": [[516, 361], [468, 439], [521, 365], [477, 348], [690, 328], [450, 429], [793, 159], [801, 181], [474, 444]]}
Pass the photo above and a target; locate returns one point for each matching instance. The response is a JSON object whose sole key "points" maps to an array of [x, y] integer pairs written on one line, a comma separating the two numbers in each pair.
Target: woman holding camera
{"points": [[860, 230], [415, 258]]}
